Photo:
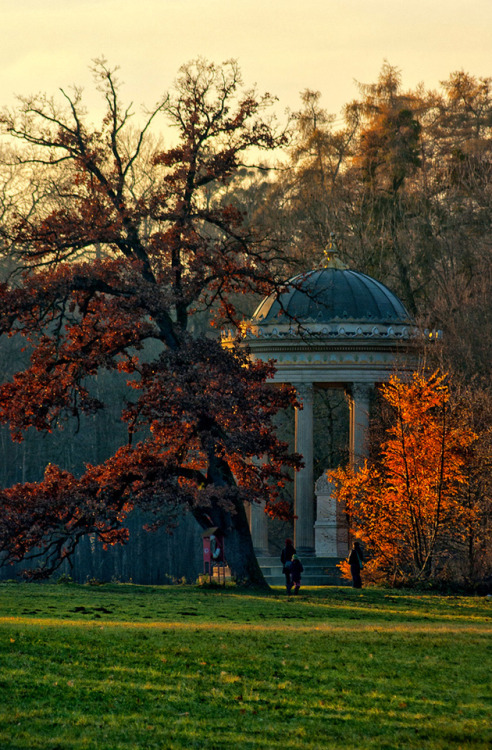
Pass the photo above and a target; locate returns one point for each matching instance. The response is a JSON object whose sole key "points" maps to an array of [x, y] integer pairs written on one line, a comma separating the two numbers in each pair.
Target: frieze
{"points": [[317, 332], [319, 347], [375, 332], [341, 358]]}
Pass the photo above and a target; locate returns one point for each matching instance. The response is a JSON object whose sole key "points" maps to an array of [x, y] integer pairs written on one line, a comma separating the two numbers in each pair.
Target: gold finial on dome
{"points": [[330, 255]]}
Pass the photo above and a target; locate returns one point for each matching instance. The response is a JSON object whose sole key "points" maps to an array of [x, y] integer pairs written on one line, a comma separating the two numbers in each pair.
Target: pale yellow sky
{"points": [[282, 45]]}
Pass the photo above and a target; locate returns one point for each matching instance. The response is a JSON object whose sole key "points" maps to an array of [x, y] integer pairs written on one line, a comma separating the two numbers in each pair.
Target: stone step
{"points": [[311, 571], [317, 561], [318, 571]]}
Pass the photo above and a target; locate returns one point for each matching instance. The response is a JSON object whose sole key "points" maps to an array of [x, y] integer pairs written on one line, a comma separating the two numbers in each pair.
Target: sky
{"points": [[283, 46]]}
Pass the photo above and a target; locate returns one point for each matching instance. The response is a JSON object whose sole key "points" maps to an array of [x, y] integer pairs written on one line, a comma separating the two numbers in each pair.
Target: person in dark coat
{"points": [[286, 560], [355, 560], [296, 569]]}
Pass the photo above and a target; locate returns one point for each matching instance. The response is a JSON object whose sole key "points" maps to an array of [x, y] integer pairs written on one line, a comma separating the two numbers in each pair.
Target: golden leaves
{"points": [[404, 505]]}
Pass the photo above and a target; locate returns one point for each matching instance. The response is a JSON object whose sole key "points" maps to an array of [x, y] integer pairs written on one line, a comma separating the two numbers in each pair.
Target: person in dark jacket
{"points": [[286, 560], [355, 560], [296, 569]]}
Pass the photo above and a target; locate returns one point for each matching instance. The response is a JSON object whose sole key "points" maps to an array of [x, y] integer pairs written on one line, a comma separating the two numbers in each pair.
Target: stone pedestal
{"points": [[325, 528], [331, 528]]}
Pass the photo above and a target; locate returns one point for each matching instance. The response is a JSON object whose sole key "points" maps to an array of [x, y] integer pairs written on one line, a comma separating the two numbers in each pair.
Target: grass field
{"points": [[121, 666]]}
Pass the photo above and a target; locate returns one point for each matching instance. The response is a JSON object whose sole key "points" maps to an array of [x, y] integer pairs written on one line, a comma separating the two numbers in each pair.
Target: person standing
{"points": [[355, 561], [286, 560], [296, 569]]}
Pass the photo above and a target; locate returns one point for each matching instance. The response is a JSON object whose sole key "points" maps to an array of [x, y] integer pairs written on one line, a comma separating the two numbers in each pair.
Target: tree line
{"points": [[403, 179]]}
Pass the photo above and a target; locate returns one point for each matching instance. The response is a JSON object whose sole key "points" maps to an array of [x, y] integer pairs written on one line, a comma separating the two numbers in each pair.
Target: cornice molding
{"points": [[319, 347]]}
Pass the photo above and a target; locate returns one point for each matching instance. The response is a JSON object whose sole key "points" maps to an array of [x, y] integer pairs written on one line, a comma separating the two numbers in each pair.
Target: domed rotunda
{"points": [[332, 296], [329, 328]]}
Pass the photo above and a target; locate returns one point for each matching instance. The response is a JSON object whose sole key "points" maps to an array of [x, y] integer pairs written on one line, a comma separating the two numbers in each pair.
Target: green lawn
{"points": [[121, 666]]}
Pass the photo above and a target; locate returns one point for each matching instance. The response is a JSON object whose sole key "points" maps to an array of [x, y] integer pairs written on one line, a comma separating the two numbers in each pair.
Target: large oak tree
{"points": [[118, 248]]}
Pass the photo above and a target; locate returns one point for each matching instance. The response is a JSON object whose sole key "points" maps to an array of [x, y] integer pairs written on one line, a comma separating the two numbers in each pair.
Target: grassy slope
{"points": [[120, 666]]}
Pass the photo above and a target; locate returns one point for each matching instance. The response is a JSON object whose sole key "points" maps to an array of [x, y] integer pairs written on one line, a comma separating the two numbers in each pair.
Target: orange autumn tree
{"points": [[406, 504]]}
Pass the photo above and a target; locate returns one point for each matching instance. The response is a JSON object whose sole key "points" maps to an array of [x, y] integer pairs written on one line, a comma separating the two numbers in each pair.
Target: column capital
{"points": [[359, 391], [305, 392]]}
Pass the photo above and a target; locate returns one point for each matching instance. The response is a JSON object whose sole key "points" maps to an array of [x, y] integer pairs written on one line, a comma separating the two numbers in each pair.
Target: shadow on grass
{"points": [[184, 603]]}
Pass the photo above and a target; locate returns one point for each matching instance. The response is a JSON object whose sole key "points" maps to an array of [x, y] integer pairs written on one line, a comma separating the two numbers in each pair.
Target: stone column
{"points": [[304, 484], [259, 527], [359, 397]]}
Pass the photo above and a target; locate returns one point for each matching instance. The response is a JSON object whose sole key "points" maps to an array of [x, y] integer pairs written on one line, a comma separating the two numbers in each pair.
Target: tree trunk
{"points": [[238, 545]]}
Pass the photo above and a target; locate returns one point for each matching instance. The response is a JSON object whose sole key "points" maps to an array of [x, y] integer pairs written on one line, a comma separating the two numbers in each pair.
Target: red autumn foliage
{"points": [[166, 245]]}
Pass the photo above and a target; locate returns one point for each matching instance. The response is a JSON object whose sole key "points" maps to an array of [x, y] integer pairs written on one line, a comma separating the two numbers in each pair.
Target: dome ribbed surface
{"points": [[332, 294]]}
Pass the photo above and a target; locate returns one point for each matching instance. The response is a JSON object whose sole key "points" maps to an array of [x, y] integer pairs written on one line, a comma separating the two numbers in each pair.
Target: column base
{"points": [[306, 551], [261, 551]]}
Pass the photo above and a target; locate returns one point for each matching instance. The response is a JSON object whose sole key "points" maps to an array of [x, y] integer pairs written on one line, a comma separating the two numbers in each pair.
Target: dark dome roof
{"points": [[332, 294]]}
